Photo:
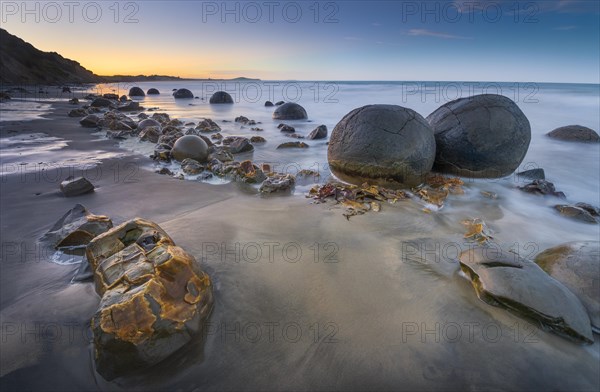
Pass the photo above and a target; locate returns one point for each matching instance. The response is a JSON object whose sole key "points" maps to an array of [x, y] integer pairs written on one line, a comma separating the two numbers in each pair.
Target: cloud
{"points": [[528, 8], [429, 33]]}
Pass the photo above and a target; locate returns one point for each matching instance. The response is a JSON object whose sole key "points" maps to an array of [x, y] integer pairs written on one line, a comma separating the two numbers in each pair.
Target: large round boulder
{"points": [[190, 146], [136, 92], [577, 266], [290, 111], [484, 136], [221, 97], [183, 93], [382, 144], [575, 133], [153, 91]]}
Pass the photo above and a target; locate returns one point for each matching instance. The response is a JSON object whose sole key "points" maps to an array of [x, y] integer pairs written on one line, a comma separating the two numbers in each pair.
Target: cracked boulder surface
{"points": [[504, 279], [577, 266], [155, 297], [483, 136], [385, 145]]}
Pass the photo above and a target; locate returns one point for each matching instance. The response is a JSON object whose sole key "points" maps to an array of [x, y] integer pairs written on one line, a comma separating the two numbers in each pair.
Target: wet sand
{"points": [[304, 299]]}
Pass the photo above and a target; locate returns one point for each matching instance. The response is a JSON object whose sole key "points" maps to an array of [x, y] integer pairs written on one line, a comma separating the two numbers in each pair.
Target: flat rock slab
{"points": [[504, 279]]}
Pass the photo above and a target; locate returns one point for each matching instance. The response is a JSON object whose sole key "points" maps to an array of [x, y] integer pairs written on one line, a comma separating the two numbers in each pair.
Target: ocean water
{"points": [[573, 167]]}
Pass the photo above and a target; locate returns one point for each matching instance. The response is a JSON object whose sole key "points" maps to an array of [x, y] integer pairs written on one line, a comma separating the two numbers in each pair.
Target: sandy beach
{"points": [[304, 298]]}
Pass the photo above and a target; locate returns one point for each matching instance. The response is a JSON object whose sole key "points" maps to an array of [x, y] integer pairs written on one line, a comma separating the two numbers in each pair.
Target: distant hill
{"points": [[21, 63], [139, 78]]}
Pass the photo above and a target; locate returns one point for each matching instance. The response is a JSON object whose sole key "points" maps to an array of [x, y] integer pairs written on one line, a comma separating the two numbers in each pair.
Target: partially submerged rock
{"points": [[290, 111], [153, 91], [506, 280], [542, 187], [220, 97], [277, 182], [575, 133], [155, 297], [286, 128], [208, 126], [76, 186], [183, 93], [577, 266], [238, 144], [130, 107], [577, 213], [532, 174], [76, 228], [319, 132], [292, 145], [136, 92]]}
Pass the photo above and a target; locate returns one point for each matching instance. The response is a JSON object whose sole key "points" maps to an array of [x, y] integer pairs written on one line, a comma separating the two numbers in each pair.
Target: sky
{"points": [[446, 40]]}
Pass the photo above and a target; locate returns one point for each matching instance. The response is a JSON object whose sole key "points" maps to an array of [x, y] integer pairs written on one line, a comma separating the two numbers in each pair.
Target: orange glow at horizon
{"points": [[150, 65]]}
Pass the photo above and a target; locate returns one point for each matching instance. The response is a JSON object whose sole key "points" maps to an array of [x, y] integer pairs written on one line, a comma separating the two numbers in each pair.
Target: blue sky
{"points": [[470, 40]]}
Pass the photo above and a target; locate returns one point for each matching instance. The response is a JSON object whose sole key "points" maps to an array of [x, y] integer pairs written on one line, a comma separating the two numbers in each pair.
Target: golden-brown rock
{"points": [[155, 297]]}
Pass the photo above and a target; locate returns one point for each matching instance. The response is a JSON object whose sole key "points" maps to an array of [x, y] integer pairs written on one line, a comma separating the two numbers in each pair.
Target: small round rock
{"points": [[220, 97], [190, 146], [290, 111], [183, 93], [136, 92]]}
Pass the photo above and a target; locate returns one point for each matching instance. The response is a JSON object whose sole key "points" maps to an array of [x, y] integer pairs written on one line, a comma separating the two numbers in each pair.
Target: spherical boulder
{"points": [[183, 93], [387, 145], [136, 92], [153, 91], [149, 122], [190, 146], [221, 97], [484, 136], [290, 111], [575, 133]]}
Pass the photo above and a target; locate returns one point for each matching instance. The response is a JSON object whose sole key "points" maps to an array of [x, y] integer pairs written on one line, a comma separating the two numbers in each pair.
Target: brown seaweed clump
{"points": [[359, 199]]}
